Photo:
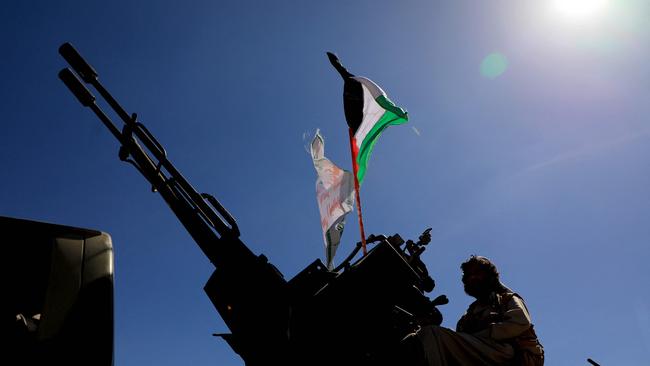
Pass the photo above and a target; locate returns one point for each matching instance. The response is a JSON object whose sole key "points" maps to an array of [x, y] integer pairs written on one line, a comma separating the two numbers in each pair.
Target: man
{"points": [[495, 329]]}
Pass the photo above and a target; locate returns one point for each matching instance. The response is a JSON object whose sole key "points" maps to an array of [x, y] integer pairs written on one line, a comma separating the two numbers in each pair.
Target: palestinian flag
{"points": [[368, 112]]}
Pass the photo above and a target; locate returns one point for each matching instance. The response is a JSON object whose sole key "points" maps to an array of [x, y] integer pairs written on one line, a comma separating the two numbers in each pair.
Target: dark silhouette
{"points": [[354, 315], [496, 329]]}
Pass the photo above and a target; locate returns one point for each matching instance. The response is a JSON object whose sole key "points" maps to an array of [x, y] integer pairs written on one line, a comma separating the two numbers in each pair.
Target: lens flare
{"points": [[494, 65]]}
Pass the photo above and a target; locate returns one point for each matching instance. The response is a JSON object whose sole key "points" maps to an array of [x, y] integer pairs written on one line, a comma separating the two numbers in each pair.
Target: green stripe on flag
{"points": [[388, 105], [393, 116]]}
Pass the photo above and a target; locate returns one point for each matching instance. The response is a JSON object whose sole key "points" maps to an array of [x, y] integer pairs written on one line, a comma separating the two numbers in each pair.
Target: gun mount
{"points": [[367, 305]]}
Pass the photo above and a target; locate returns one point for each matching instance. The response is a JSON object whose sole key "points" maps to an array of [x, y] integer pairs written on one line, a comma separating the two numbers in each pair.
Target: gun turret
{"points": [[242, 281], [356, 314]]}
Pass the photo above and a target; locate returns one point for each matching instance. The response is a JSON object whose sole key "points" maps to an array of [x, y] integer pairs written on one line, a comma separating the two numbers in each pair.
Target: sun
{"points": [[580, 9]]}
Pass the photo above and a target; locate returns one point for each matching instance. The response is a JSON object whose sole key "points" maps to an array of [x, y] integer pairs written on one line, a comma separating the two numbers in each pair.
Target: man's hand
{"points": [[473, 325], [432, 318]]}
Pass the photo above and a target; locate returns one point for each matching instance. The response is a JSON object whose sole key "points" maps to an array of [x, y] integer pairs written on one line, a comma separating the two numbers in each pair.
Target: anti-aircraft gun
{"points": [[367, 305]]}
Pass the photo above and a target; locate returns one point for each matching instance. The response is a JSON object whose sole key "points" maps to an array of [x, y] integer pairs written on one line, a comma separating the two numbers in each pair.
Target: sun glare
{"points": [[580, 9]]}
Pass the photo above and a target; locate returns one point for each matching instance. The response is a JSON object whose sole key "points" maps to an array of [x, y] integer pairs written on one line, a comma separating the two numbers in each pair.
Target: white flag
{"points": [[335, 195]]}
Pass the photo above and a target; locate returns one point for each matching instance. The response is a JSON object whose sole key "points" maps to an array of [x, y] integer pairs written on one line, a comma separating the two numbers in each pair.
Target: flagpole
{"points": [[355, 168]]}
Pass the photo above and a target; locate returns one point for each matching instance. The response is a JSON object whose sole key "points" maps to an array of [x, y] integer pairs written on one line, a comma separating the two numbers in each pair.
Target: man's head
{"points": [[480, 276]]}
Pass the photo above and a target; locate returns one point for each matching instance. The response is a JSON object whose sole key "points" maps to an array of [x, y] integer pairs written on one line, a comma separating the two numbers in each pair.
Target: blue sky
{"points": [[545, 168]]}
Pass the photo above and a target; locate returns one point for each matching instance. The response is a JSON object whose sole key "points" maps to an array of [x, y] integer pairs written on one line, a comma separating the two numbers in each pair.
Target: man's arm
{"points": [[516, 320]]}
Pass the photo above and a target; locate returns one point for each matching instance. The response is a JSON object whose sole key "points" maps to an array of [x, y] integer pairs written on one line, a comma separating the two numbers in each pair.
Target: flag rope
{"points": [[355, 169]]}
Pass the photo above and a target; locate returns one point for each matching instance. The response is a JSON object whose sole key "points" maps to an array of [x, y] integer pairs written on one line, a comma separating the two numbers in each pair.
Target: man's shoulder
{"points": [[509, 294], [505, 298]]}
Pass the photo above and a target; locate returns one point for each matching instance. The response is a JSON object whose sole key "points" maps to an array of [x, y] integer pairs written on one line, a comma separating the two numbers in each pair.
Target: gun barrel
{"points": [[202, 215], [77, 62], [76, 87]]}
